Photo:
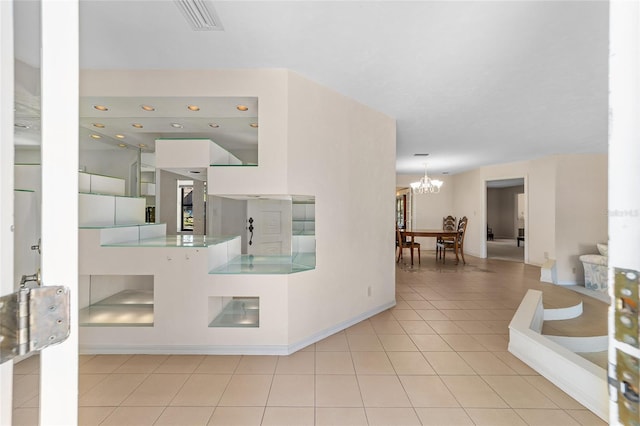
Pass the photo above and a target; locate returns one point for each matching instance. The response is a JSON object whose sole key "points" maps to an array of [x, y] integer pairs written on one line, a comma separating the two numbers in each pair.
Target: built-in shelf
{"points": [[250, 264], [116, 301], [238, 312]]}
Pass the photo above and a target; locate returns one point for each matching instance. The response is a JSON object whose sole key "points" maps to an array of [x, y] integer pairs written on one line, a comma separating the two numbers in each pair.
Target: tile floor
{"points": [[439, 357]]}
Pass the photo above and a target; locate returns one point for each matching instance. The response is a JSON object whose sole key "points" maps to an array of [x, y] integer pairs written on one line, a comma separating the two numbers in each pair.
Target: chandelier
{"points": [[426, 185]]}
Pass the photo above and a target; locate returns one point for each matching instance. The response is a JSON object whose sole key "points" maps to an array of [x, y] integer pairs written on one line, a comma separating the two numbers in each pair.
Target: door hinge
{"points": [[32, 319]]}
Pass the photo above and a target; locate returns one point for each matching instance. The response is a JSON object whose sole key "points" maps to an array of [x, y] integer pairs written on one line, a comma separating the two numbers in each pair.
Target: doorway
{"points": [[506, 214]]}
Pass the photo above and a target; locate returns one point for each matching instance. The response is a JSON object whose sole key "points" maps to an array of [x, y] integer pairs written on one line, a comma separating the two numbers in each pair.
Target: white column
{"points": [[624, 150], [6, 188], [60, 69]]}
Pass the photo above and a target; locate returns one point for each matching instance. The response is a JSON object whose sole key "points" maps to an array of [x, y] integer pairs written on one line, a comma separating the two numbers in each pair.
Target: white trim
{"points": [[563, 313], [60, 122], [6, 188], [576, 376]]}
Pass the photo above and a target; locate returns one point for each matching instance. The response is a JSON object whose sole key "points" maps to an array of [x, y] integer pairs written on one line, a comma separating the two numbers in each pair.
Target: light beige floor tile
{"points": [[428, 391], [445, 327], [431, 315], [25, 417], [392, 416], [430, 342], [133, 416], [586, 417], [103, 364], [372, 363], [112, 390], [416, 327], [448, 363], [335, 343], [29, 365], [474, 327], [387, 327], [486, 363], [297, 363], [25, 388], [201, 390], [382, 391], [473, 392], [87, 381], [334, 363], [401, 304], [257, 364], [516, 364], [406, 315], [495, 417], [141, 364], [409, 295], [544, 417], [156, 390], [420, 304], [462, 342], [457, 314], [247, 390], [292, 390], [179, 364], [493, 342], [184, 416], [443, 417], [218, 364], [445, 304], [364, 342], [83, 359], [337, 391], [519, 393], [288, 416], [410, 363], [363, 327], [93, 416], [554, 393], [340, 416], [397, 343], [481, 314], [236, 416]]}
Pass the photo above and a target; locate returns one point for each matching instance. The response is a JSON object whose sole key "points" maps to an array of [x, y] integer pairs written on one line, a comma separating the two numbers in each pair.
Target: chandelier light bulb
{"points": [[426, 185]]}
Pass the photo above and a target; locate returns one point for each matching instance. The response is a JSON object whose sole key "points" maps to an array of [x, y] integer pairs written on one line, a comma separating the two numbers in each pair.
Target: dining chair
{"points": [[448, 224], [450, 245], [402, 243]]}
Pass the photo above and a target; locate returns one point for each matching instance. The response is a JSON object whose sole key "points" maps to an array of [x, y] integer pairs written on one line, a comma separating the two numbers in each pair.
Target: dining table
{"points": [[437, 233]]}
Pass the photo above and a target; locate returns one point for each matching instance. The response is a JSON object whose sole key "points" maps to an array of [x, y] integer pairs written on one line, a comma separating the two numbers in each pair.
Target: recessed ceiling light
{"points": [[119, 136], [21, 125], [214, 125], [177, 125], [420, 155], [254, 125], [147, 107], [242, 108], [193, 107], [142, 145], [98, 125], [195, 172], [137, 125], [96, 136], [101, 108], [122, 145]]}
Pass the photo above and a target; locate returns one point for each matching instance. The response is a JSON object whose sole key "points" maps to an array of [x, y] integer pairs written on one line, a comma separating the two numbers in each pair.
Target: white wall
{"points": [[114, 162], [581, 212], [343, 153], [566, 195]]}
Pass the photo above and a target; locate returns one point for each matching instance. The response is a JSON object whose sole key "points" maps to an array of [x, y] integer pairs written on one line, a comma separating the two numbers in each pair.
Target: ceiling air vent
{"points": [[200, 15]]}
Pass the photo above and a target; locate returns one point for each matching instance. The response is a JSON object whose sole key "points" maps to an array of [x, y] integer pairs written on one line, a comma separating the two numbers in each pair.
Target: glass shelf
{"points": [[239, 312], [127, 308], [189, 241], [250, 264]]}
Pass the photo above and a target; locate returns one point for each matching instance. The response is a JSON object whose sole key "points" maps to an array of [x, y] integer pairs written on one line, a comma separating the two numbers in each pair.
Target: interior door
{"points": [[269, 227], [58, 94]]}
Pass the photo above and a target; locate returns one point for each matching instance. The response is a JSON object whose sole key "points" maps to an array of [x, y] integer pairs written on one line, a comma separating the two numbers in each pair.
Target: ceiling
{"points": [[469, 83]]}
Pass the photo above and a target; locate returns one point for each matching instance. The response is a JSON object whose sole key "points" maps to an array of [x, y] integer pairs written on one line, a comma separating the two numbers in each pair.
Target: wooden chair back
{"points": [[449, 223]]}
